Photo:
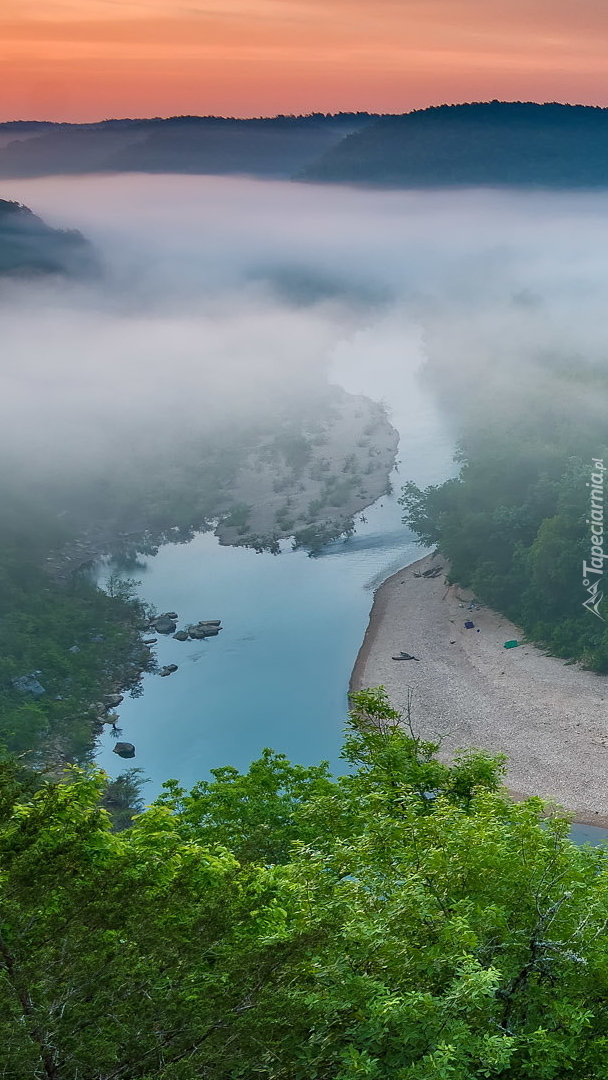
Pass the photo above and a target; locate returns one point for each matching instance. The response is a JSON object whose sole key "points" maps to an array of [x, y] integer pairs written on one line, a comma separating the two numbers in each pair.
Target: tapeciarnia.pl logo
{"points": [[593, 572]]}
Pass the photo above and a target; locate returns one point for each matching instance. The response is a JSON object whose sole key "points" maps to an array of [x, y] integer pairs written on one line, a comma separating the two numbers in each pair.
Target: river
{"points": [[277, 675]]}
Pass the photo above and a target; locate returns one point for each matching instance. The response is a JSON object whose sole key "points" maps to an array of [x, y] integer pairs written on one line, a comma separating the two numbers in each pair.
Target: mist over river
{"points": [[222, 302], [278, 673]]}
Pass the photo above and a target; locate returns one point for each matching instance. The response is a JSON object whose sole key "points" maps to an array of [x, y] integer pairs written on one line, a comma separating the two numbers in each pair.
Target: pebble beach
{"points": [[548, 716]]}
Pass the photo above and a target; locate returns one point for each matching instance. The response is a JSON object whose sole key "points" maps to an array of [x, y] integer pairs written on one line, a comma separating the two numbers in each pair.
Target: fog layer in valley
{"points": [[223, 299]]}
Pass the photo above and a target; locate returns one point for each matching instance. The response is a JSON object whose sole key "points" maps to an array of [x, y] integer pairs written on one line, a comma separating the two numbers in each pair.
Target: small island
{"points": [[311, 478]]}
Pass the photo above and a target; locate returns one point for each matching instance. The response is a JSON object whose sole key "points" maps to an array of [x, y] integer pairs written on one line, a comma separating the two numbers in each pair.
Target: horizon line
{"points": [[297, 116]]}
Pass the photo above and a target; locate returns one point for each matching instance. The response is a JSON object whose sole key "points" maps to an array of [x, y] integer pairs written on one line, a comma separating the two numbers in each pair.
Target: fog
{"points": [[221, 299]]}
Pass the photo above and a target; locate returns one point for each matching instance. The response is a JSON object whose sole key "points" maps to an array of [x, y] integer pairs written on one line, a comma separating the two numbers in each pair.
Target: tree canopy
{"points": [[406, 920]]}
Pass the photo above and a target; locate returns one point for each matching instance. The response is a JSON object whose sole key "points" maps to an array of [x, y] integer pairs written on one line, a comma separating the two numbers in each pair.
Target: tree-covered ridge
{"points": [[404, 921], [499, 142], [29, 246], [260, 146]]}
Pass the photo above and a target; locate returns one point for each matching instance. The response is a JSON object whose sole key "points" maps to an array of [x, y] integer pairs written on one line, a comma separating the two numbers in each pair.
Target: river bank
{"points": [[549, 717]]}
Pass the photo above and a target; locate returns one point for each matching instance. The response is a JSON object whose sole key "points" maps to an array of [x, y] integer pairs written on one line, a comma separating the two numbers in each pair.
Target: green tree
{"points": [[122, 798], [406, 921]]}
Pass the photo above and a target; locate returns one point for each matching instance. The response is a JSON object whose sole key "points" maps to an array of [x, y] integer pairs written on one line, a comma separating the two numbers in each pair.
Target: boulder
{"points": [[113, 699], [204, 629], [165, 625], [110, 718], [28, 684], [182, 635], [149, 641], [167, 670], [124, 749], [170, 615]]}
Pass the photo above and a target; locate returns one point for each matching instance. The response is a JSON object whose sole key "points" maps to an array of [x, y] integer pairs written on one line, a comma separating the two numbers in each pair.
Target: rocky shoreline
{"points": [[166, 625]]}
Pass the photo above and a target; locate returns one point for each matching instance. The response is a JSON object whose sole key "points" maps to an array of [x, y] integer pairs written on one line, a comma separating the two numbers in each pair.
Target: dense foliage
{"points": [[262, 146], [28, 245], [515, 522], [498, 142], [404, 921], [521, 551], [514, 143], [73, 640]]}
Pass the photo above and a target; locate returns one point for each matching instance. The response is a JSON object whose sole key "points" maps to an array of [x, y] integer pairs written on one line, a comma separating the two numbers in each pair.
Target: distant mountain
{"points": [[29, 246], [493, 143], [277, 146]]}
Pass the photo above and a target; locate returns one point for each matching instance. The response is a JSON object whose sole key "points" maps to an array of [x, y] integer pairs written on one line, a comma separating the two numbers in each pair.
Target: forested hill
{"points": [[506, 143], [493, 143], [29, 246], [276, 146]]}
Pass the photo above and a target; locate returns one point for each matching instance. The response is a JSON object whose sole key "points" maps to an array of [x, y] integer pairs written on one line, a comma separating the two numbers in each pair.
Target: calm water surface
{"points": [[278, 673]]}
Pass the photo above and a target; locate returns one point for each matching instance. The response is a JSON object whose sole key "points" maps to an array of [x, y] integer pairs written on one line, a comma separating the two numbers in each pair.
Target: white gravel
{"points": [[549, 717]]}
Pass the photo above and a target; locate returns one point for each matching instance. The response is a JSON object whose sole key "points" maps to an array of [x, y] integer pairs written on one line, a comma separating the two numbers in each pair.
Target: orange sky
{"points": [[91, 59]]}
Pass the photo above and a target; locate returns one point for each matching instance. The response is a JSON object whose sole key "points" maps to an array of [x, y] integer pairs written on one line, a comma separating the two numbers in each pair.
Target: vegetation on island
{"points": [[405, 920], [309, 479]]}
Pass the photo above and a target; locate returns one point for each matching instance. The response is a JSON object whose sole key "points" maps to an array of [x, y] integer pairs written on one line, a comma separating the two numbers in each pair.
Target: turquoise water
{"points": [[278, 673], [588, 834]]}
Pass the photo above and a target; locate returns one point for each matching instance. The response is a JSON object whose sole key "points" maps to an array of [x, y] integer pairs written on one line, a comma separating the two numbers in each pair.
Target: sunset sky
{"points": [[93, 59]]}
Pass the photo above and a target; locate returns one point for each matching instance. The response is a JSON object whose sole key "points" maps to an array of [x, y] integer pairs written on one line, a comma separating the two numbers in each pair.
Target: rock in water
{"points": [[182, 635], [124, 749], [210, 628], [165, 625]]}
